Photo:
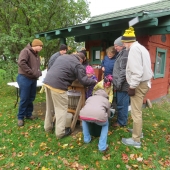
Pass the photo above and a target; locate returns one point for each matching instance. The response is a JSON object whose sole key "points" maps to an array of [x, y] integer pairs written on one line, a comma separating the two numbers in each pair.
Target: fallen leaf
{"points": [[135, 166], [139, 159], [20, 154], [118, 166], [97, 164], [125, 158], [64, 146], [104, 158]]}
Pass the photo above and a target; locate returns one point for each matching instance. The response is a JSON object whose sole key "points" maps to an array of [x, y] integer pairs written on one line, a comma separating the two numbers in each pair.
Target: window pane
{"points": [[97, 56], [159, 63]]}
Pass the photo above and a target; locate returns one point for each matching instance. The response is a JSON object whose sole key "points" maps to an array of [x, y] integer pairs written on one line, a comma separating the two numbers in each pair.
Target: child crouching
{"points": [[96, 110]]}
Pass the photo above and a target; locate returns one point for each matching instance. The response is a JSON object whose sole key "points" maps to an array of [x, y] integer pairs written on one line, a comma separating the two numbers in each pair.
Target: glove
{"points": [[131, 92], [118, 87]]}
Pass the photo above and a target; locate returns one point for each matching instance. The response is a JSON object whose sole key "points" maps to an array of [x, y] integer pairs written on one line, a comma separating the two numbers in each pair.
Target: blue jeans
{"points": [[102, 145], [122, 107], [27, 93]]}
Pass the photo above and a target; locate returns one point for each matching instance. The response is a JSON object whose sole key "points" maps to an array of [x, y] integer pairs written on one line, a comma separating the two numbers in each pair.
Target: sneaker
{"points": [[131, 142], [32, 117], [131, 130], [104, 151], [20, 123]]}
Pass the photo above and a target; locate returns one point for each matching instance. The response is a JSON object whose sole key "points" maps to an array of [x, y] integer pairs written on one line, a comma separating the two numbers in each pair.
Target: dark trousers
{"points": [[122, 107], [27, 93]]}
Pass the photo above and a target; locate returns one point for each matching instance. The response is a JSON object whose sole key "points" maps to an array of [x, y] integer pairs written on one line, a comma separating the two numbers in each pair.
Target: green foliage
{"points": [[10, 70], [29, 147], [20, 20]]}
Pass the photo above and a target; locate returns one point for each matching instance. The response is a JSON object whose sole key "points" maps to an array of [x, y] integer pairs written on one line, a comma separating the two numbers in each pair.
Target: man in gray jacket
{"points": [[60, 76], [138, 75], [120, 84]]}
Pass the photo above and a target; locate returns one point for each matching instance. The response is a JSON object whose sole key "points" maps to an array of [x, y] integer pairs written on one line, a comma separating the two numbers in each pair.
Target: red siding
{"points": [[160, 85]]}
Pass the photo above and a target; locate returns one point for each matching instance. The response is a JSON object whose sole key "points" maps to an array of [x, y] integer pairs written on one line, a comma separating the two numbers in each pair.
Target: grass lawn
{"points": [[30, 148]]}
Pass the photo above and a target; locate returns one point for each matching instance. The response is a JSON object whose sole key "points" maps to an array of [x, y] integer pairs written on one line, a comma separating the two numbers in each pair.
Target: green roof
{"points": [[155, 6], [153, 18]]}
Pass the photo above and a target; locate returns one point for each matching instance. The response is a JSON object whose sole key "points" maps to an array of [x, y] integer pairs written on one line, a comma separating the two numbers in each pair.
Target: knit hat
{"points": [[129, 35], [63, 47], [108, 80], [118, 41], [89, 70], [37, 42]]}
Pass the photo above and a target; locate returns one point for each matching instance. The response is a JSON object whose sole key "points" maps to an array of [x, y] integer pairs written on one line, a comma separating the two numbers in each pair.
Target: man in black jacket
{"points": [[120, 83], [60, 76], [63, 50]]}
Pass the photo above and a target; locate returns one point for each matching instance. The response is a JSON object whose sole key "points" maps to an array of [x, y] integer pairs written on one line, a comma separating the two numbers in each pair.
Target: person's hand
{"points": [[131, 92], [103, 69], [118, 87]]}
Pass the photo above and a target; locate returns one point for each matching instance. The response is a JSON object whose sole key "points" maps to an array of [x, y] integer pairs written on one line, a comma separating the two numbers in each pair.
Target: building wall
{"points": [[160, 86]]}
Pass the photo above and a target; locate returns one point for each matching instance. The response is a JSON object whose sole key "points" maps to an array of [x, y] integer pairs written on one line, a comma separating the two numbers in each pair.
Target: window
{"points": [[95, 55], [160, 63]]}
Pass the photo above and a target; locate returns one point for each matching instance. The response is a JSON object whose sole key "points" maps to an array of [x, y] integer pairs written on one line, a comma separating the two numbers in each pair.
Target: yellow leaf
{"points": [[20, 154], [118, 166], [65, 145], [135, 166]]}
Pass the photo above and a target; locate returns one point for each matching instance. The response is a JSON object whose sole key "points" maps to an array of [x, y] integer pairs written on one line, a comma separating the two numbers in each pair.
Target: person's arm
{"points": [[108, 108], [98, 86], [82, 77], [23, 62], [111, 94], [135, 67], [102, 64], [122, 74], [52, 59]]}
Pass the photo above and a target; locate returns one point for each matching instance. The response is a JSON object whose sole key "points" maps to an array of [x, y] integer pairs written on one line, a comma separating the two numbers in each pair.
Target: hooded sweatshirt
{"points": [[29, 63], [97, 107]]}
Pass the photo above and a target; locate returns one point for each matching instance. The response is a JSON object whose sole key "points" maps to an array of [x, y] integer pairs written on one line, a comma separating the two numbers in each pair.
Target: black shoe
{"points": [[31, 118], [67, 132]]}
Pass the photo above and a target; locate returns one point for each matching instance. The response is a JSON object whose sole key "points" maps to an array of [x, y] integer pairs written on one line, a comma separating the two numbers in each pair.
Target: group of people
{"points": [[127, 71]]}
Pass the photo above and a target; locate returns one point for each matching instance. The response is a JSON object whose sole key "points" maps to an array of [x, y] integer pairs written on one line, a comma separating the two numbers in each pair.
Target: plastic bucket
{"points": [[95, 129]]}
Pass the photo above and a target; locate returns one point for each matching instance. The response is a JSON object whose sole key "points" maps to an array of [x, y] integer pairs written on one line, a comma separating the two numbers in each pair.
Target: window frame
{"points": [[163, 64], [92, 56]]}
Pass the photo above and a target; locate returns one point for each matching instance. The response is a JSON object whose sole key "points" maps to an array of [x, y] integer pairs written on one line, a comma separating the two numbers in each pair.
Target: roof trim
{"points": [[146, 19]]}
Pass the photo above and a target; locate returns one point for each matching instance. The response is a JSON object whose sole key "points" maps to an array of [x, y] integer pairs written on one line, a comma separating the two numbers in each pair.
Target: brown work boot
{"points": [[20, 123], [32, 117], [116, 125]]}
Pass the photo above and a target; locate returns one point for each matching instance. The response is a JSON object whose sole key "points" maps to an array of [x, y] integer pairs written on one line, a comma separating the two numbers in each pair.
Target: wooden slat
{"points": [[75, 118]]}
